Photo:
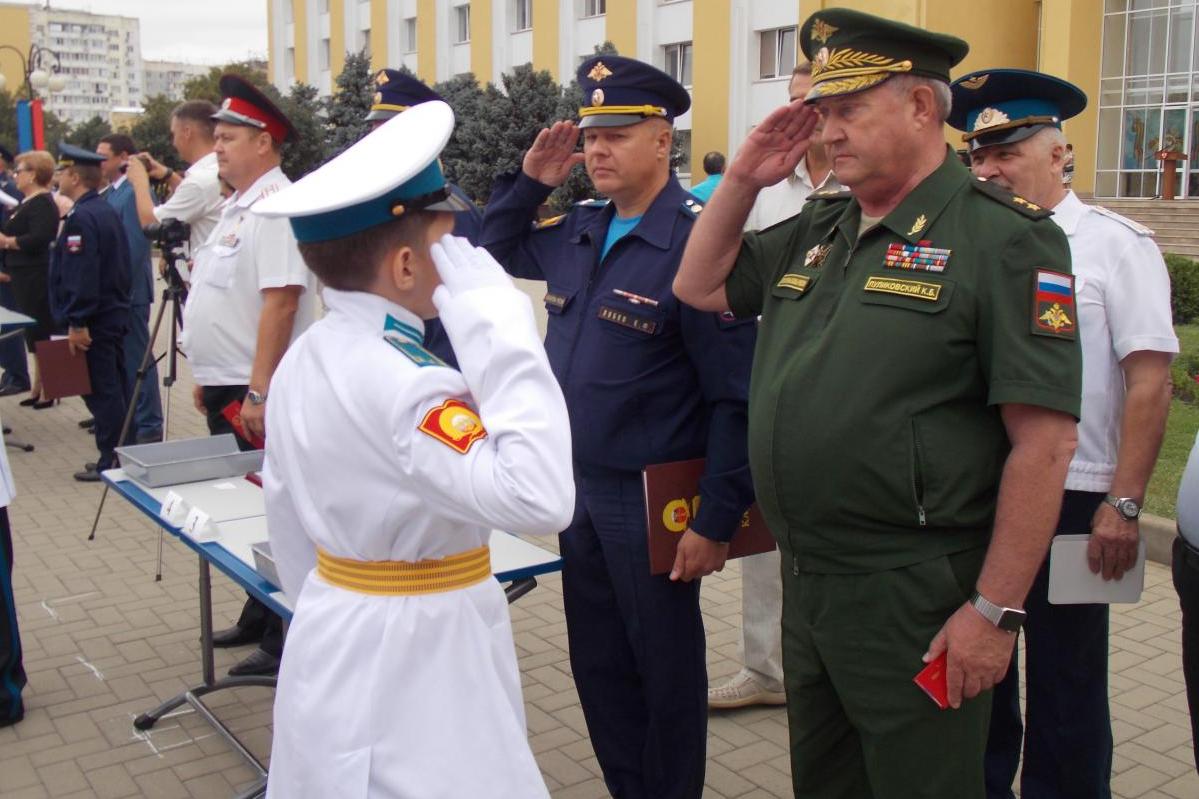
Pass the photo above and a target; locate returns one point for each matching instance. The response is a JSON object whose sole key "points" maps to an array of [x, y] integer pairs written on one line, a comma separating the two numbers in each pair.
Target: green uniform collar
{"points": [[916, 213]]}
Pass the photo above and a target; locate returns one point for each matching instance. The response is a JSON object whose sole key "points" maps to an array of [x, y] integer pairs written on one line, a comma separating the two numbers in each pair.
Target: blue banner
{"points": [[24, 126]]}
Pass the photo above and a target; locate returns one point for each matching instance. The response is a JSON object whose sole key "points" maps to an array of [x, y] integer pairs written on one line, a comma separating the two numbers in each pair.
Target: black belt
{"points": [[1190, 553]]}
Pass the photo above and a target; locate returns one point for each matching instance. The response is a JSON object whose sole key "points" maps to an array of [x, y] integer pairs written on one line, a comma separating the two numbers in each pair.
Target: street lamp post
{"points": [[30, 129]]}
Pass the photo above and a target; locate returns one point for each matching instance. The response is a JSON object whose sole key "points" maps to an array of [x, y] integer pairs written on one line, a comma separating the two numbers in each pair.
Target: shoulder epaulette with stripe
{"points": [[1010, 200], [831, 194], [553, 221], [1136, 227]]}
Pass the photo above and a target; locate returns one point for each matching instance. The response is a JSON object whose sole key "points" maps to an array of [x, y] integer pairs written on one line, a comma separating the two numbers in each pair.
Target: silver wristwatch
{"points": [[1007, 619], [255, 397], [1128, 508]]}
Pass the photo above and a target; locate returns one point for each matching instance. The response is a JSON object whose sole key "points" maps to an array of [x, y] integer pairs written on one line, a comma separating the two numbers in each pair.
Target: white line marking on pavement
{"points": [[95, 671], [46, 607]]}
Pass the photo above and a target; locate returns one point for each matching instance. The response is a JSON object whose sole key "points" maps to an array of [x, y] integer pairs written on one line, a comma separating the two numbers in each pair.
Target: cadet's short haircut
{"points": [[714, 163], [120, 144], [352, 262], [199, 113], [89, 174]]}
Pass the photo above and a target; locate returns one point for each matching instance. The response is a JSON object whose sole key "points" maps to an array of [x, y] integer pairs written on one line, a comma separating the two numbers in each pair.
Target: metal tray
{"points": [[264, 562], [188, 460]]}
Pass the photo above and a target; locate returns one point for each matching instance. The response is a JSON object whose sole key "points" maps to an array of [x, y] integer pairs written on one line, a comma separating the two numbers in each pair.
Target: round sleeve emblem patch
{"points": [[454, 424]]}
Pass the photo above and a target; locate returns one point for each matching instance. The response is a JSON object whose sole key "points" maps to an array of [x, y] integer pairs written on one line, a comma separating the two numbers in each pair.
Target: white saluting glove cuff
{"points": [[464, 268]]}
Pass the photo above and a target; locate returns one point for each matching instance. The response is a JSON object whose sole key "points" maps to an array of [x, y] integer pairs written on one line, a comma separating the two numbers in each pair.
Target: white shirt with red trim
{"points": [[245, 254], [1122, 297]]}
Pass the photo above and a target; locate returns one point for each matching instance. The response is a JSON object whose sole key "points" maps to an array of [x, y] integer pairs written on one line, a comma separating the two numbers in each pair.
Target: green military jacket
{"points": [[874, 429]]}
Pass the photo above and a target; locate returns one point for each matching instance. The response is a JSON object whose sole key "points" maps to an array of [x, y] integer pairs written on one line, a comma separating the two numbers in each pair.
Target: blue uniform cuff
{"points": [[717, 521], [528, 190]]}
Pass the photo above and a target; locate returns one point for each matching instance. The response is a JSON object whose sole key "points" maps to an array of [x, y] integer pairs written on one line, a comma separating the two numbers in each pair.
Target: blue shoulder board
{"points": [[413, 351], [692, 207], [591, 203]]}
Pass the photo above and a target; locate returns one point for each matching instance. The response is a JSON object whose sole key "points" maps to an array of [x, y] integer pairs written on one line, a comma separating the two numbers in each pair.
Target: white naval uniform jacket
{"points": [[407, 696], [1122, 294]]}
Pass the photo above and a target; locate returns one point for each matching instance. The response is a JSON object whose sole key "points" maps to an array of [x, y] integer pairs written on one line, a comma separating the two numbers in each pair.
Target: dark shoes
{"points": [[259, 663], [11, 720], [235, 636], [9, 389], [86, 423], [88, 475]]}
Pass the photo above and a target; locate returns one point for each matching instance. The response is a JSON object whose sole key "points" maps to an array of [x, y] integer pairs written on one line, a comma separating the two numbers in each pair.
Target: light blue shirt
{"points": [[1188, 498], [617, 230], [703, 191]]}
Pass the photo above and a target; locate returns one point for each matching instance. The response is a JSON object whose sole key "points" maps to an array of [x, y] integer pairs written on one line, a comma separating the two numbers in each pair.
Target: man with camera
{"points": [[195, 196], [117, 149]]}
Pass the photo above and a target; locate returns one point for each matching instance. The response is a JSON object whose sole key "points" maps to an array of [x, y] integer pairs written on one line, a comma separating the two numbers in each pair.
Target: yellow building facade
{"points": [[1137, 60]]}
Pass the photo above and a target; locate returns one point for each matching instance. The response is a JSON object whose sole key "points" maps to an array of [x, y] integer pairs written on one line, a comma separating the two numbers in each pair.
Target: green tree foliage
{"points": [[463, 94], [206, 87], [152, 131], [304, 109], [346, 110], [88, 134]]}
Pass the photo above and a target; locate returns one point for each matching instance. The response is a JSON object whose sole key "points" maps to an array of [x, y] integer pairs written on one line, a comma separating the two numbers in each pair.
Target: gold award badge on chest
{"points": [[814, 257]]}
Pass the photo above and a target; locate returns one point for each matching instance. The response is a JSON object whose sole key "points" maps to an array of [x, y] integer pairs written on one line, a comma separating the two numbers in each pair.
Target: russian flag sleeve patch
{"points": [[1053, 312]]}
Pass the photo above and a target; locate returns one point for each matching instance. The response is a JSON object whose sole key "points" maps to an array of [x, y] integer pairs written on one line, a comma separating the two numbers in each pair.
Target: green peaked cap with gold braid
{"points": [[851, 51]]}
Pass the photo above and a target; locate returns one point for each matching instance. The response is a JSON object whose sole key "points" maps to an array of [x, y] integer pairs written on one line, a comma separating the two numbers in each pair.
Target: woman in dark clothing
{"points": [[25, 243]]}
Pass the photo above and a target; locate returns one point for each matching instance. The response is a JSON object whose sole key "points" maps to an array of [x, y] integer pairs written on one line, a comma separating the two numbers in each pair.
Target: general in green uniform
{"points": [[885, 351]]}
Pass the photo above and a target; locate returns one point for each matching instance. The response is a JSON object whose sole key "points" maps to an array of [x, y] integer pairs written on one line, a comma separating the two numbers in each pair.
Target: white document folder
{"points": [[1072, 583]]}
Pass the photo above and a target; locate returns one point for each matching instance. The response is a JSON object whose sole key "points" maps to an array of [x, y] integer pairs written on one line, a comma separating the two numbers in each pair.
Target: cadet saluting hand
{"points": [[553, 155]]}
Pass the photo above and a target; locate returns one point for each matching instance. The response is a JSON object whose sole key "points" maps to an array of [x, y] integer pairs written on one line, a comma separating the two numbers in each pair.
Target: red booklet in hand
{"points": [[932, 679], [672, 501], [232, 413]]}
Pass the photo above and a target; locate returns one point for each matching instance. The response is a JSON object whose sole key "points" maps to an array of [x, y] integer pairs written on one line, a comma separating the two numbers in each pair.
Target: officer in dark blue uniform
{"points": [[89, 293], [14, 368], [395, 93], [647, 380]]}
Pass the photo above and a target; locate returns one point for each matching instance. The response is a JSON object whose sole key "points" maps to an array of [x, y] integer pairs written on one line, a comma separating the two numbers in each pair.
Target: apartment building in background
{"points": [[1137, 60], [169, 77]]}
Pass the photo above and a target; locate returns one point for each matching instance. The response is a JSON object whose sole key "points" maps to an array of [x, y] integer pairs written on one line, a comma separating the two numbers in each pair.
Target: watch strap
{"points": [[1007, 619]]}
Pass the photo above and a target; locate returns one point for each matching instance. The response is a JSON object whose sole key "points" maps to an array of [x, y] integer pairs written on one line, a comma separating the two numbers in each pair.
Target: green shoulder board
{"points": [[1013, 201], [413, 351], [831, 194]]}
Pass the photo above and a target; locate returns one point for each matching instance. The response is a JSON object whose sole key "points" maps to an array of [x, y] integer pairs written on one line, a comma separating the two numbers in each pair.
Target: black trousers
{"points": [[637, 646], [12, 673], [1186, 583], [110, 394], [1067, 735], [255, 616]]}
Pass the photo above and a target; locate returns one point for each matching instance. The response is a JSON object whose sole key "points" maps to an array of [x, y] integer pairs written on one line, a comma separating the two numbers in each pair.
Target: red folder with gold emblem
{"points": [[671, 502]]}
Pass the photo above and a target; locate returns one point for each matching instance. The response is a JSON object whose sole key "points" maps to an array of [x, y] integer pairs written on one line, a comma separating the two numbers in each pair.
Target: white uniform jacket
{"points": [[1122, 291], [407, 696]]}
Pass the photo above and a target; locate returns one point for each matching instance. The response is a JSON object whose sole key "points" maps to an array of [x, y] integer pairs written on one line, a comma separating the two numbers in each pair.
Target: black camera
{"points": [[173, 238]]}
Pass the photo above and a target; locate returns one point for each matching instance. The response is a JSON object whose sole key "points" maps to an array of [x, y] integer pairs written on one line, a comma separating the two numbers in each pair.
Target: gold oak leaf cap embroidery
{"points": [[852, 51]]}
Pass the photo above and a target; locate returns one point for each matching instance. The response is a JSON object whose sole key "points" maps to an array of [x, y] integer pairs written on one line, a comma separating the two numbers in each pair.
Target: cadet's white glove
{"points": [[464, 267]]}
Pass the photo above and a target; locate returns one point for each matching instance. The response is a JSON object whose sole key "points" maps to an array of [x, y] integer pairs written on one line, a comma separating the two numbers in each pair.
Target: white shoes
{"points": [[743, 690]]}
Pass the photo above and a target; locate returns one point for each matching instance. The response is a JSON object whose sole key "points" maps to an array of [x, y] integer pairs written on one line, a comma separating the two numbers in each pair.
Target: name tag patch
{"points": [[1053, 305], [904, 287], [626, 319], [798, 282], [920, 257], [74, 244]]}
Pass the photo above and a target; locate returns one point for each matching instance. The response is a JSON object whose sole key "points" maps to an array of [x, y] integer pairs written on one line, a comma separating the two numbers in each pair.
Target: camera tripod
{"points": [[173, 296]]}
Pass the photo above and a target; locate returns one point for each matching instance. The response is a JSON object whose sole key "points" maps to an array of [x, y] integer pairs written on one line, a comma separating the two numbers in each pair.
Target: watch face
{"points": [[1129, 508], [1011, 620]]}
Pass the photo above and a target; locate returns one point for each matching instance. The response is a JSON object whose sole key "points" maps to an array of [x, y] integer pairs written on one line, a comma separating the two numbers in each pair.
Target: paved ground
{"points": [[104, 641]]}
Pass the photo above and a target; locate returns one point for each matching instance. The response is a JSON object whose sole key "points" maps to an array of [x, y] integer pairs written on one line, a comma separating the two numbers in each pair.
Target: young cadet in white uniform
{"points": [[385, 473]]}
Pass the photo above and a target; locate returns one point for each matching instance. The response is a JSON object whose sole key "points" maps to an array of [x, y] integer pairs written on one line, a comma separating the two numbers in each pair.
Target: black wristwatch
{"points": [[1128, 508], [1007, 619]]}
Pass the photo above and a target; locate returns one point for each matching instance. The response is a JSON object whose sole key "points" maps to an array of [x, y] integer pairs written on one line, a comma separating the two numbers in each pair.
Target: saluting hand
{"points": [[553, 155], [774, 147]]}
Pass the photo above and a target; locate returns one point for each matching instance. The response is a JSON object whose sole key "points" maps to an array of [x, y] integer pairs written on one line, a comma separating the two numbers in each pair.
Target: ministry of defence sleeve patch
{"points": [[454, 424], [1053, 312]]}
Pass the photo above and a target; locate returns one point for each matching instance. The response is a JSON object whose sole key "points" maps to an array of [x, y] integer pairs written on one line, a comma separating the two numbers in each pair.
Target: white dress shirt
{"points": [[407, 695], [196, 200], [245, 254], [1122, 295], [786, 198]]}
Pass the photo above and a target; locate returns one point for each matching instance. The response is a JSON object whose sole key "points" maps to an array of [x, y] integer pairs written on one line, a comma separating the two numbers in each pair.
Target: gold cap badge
{"points": [[975, 83], [821, 30], [989, 118], [381, 78], [599, 72]]}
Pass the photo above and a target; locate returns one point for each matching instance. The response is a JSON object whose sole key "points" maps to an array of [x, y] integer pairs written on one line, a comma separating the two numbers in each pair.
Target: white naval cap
{"points": [[389, 172]]}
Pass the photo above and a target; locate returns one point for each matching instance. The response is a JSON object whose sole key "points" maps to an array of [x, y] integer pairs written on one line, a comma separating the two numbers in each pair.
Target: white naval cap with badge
{"points": [[391, 171]]}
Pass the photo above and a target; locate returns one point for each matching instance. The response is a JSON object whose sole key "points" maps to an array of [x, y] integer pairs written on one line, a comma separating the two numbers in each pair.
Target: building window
{"points": [[289, 63], [677, 58], [682, 151], [462, 24], [595, 8], [409, 43], [324, 55], [776, 53], [523, 16], [364, 40], [1148, 97], [322, 6]]}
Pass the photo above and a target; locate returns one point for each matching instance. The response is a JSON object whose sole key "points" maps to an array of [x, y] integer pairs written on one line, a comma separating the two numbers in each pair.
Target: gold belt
{"points": [[406, 578]]}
